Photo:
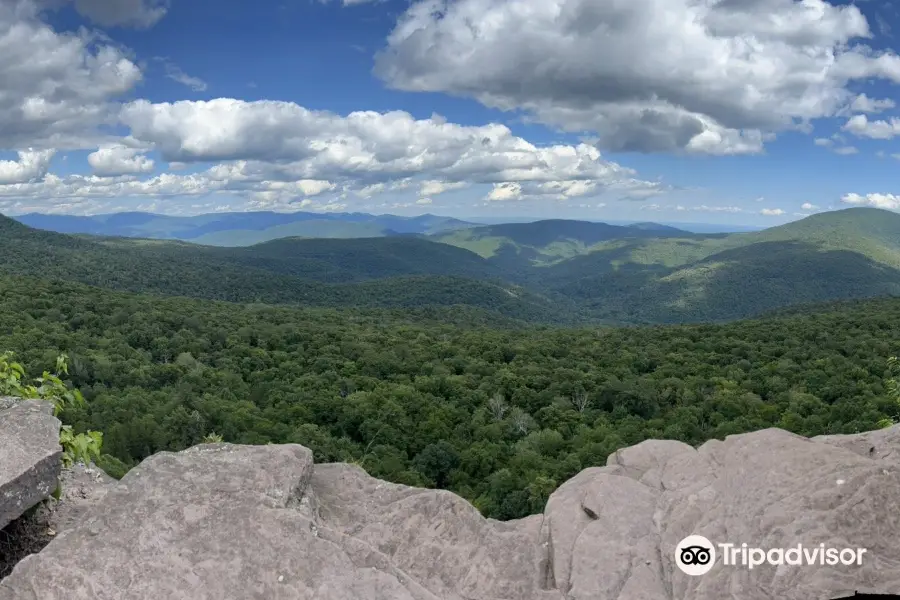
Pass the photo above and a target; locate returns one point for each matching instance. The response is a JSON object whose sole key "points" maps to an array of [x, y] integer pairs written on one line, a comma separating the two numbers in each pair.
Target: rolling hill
{"points": [[554, 271], [242, 229], [518, 246], [852, 253], [378, 272]]}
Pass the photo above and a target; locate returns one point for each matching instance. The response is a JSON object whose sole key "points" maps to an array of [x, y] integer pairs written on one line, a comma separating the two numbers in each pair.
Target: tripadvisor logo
{"points": [[696, 555]]}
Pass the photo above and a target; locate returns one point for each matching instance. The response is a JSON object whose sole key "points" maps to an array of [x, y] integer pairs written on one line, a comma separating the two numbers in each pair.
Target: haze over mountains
{"points": [[241, 229], [552, 271]]}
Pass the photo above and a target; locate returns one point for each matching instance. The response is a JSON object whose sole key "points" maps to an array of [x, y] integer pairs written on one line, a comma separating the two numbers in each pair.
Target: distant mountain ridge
{"points": [[242, 228], [554, 271]]}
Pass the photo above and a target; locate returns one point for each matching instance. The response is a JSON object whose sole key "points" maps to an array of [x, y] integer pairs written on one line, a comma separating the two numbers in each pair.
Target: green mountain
{"points": [[853, 253], [554, 271], [522, 245], [379, 272]]}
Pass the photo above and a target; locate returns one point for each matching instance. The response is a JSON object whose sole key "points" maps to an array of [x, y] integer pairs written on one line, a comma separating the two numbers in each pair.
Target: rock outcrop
{"points": [[29, 456], [263, 522]]}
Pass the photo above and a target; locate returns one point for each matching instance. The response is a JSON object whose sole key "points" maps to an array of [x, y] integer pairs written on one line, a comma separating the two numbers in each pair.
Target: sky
{"points": [[753, 112]]}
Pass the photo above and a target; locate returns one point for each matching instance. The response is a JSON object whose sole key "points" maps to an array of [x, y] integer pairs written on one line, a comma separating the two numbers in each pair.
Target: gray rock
{"points": [[243, 522], [81, 487], [30, 457]]}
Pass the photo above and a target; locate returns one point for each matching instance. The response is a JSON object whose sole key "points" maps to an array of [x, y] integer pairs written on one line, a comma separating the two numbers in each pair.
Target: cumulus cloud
{"points": [[888, 201], [285, 141], [771, 212], [31, 166], [861, 126], [61, 91], [116, 160], [808, 206], [55, 88], [252, 192], [645, 75]]}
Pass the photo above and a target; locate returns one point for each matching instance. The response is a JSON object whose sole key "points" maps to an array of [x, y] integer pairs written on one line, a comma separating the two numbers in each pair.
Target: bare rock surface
{"points": [[81, 486], [29, 456], [263, 522]]}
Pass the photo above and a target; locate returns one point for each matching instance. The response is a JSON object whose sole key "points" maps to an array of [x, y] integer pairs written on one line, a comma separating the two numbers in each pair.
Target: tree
{"points": [[436, 461]]}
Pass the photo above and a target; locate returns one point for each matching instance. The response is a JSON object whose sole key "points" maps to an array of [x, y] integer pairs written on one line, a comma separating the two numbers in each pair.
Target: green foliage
{"points": [[81, 447], [11, 374], [112, 466], [76, 447], [212, 438]]}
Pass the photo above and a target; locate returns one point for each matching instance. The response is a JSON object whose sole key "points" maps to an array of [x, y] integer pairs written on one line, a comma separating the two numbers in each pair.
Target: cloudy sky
{"points": [[730, 111]]}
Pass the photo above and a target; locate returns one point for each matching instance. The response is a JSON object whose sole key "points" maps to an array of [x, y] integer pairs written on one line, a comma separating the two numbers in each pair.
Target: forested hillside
{"points": [[382, 272], [550, 272], [498, 414]]}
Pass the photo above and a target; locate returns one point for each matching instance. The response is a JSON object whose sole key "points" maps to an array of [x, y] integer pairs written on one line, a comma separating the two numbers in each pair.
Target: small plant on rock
{"points": [[51, 388]]}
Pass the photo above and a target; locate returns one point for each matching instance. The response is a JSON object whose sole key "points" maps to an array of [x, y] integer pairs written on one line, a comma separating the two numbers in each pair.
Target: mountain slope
{"points": [[362, 275], [518, 246], [872, 232]]}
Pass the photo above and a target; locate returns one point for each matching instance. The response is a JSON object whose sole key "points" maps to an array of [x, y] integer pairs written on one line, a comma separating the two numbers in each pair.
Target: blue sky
{"points": [[737, 111]]}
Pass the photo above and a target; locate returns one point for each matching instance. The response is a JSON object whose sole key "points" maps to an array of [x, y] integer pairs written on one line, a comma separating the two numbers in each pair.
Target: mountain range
{"points": [[552, 271], [242, 229]]}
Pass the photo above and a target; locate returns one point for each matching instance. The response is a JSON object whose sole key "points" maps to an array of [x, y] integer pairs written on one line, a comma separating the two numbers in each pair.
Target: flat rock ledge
{"points": [[264, 523]]}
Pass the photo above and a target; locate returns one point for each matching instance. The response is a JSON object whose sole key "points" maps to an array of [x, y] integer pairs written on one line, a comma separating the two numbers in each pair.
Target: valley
{"points": [[551, 272]]}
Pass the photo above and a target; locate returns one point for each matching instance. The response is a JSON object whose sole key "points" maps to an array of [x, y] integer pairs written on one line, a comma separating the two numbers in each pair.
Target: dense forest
{"points": [[456, 397]]}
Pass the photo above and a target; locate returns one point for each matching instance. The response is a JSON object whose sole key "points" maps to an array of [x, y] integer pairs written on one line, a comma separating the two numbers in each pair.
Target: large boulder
{"points": [[30, 456], [263, 522]]}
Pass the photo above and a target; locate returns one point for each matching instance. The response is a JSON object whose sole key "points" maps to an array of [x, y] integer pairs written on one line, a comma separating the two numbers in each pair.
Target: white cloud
{"points": [[424, 201], [287, 141], [808, 206], [435, 187], [861, 126], [503, 192], [175, 73], [55, 88], [888, 201], [31, 166], [714, 209], [114, 160], [771, 212], [698, 76], [86, 193], [864, 104], [61, 91], [824, 142], [846, 150]]}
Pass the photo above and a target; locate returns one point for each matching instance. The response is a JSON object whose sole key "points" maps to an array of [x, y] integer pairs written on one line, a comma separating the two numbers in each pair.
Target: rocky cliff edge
{"points": [[264, 522]]}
